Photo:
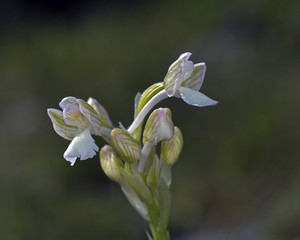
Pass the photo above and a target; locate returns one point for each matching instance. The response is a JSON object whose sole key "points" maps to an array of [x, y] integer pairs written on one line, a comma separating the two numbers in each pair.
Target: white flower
{"points": [[184, 80], [76, 123]]}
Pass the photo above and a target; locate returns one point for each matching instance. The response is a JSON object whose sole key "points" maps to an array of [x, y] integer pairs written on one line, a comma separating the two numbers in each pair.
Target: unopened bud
{"points": [[170, 150], [111, 163], [125, 145], [159, 126]]}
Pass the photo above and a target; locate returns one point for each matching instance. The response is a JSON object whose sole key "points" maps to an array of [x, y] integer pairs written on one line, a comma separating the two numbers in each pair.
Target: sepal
{"points": [[61, 128], [89, 112], [101, 111], [196, 79], [180, 70]]}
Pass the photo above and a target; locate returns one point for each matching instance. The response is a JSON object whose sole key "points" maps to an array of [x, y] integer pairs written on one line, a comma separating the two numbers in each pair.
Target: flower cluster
{"points": [[130, 156]]}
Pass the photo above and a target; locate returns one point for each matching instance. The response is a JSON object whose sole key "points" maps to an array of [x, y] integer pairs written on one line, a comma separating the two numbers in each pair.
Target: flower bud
{"points": [[125, 145], [159, 126], [111, 163], [170, 149]]}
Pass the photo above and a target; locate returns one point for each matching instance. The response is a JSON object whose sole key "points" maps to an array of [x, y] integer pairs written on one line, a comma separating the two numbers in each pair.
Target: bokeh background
{"points": [[239, 173]]}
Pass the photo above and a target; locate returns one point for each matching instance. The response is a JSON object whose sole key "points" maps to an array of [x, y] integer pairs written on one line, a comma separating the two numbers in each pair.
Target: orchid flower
{"points": [[76, 122], [183, 80]]}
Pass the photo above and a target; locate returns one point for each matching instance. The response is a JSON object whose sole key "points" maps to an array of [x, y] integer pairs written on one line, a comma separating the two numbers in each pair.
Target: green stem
{"points": [[159, 235], [154, 215]]}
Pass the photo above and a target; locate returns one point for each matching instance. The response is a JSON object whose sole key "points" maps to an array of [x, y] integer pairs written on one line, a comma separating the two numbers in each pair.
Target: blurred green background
{"points": [[239, 173]]}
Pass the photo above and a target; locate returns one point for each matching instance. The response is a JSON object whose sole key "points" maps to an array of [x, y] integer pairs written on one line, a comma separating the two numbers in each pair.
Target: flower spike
{"points": [[132, 157]]}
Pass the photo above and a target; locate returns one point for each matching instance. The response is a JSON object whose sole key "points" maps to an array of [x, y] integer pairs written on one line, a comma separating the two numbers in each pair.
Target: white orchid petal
{"points": [[89, 112], [196, 78], [184, 56], [67, 101], [72, 114], [180, 70], [61, 128], [195, 98], [103, 114], [74, 117], [82, 146]]}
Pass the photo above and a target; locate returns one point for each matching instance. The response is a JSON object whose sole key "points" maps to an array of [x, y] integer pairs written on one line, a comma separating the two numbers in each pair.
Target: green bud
{"points": [[125, 145], [111, 163], [154, 173], [159, 126], [170, 149]]}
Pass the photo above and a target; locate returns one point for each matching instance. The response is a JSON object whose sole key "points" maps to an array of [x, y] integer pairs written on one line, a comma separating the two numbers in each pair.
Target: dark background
{"points": [[239, 173]]}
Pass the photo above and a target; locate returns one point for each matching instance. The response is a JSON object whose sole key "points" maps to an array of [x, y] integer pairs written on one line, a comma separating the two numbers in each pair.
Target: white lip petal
{"points": [[82, 146], [195, 98]]}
